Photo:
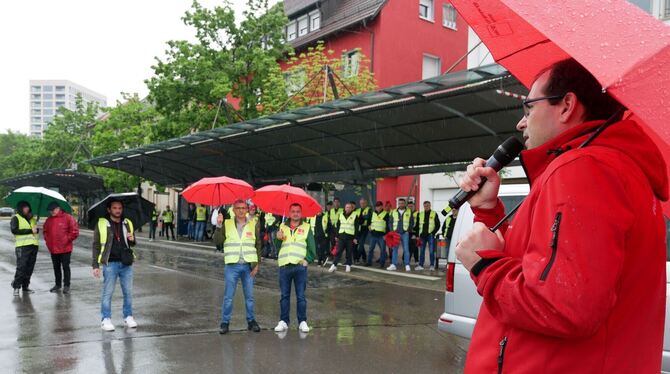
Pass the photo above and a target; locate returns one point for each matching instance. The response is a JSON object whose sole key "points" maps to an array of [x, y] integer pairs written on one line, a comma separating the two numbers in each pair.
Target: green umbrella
{"points": [[38, 198]]}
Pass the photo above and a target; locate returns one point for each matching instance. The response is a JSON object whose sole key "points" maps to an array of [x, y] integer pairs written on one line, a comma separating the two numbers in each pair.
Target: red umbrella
{"points": [[626, 49], [277, 200], [218, 191]]}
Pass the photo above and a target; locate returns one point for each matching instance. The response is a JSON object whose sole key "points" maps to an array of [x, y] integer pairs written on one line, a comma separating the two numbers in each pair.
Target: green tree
{"points": [[226, 61]]}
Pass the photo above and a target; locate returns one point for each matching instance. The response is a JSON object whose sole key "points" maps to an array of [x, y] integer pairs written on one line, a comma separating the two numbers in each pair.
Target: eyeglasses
{"points": [[526, 106]]}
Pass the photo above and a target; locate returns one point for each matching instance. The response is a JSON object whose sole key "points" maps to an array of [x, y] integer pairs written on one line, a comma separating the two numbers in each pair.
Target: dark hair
{"points": [[352, 203], [295, 204], [329, 203], [570, 76], [337, 198], [379, 203], [112, 201], [399, 200], [426, 202]]}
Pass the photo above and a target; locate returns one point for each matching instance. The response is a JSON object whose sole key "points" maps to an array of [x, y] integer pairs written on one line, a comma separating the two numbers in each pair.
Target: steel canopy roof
{"points": [[67, 181], [446, 119]]}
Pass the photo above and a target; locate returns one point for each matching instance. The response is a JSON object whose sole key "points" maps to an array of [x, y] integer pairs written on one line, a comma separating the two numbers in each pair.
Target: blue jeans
{"points": [[382, 249], [404, 239], [152, 229], [297, 274], [110, 273], [199, 231], [190, 230], [430, 241], [233, 273]]}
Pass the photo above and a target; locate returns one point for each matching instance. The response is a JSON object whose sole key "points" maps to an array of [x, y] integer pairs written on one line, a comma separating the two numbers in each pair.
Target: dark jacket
{"points": [[321, 232], [423, 231], [108, 244], [59, 233]]}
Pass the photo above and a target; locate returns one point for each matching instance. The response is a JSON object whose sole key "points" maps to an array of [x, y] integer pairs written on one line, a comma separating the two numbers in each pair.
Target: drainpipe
{"points": [[372, 46]]}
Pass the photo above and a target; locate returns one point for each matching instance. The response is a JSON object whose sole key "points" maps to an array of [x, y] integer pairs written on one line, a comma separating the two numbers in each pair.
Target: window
{"points": [[351, 62], [36, 112], [47, 104], [48, 112], [36, 97], [60, 104], [47, 96], [315, 20], [426, 9], [60, 88], [37, 89], [449, 16], [303, 25], [292, 31], [35, 104], [48, 88], [60, 96], [665, 11], [35, 119], [294, 80], [431, 67]]}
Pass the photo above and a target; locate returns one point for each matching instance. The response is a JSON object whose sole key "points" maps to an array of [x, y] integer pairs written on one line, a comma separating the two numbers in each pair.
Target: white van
{"points": [[462, 302]]}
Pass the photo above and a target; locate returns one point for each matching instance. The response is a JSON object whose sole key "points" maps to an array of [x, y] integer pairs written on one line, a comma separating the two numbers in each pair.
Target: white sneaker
{"points": [[347, 269], [130, 322], [281, 326], [432, 268], [332, 268], [391, 268], [303, 327], [107, 325], [407, 268], [419, 267]]}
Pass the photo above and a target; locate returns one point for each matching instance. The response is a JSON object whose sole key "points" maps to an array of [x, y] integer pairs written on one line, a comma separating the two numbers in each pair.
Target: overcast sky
{"points": [[107, 46]]}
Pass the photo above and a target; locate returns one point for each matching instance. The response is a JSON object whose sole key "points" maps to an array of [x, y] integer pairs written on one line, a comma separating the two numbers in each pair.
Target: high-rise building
{"points": [[46, 96]]}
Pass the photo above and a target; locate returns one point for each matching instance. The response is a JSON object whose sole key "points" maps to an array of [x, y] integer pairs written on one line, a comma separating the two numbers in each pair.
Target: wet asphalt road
{"points": [[358, 326]]}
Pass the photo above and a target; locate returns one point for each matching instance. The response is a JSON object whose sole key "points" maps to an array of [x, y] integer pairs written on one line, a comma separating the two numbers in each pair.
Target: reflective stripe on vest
{"points": [[201, 213], [168, 216], [294, 247], [269, 219], [378, 221], [334, 215], [234, 244], [431, 223], [103, 224], [348, 225], [405, 219], [26, 239]]}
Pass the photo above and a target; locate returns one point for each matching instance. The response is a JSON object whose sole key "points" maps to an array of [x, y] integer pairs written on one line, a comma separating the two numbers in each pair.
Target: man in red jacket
{"points": [[60, 230], [576, 282]]}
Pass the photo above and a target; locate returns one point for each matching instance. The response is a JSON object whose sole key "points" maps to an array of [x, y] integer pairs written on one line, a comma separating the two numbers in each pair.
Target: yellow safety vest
{"points": [[234, 245], [26, 239], [335, 215], [431, 223], [154, 215], [348, 225], [269, 219], [378, 221], [363, 213], [294, 246], [324, 224], [201, 213], [103, 224], [405, 220], [168, 215]]}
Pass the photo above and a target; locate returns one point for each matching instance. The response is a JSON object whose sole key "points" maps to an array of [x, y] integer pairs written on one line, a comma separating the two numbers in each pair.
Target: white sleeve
{"points": [[215, 215]]}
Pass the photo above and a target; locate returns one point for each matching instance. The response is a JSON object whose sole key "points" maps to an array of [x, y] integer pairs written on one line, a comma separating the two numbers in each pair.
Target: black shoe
{"points": [[54, 288], [253, 326], [16, 291], [28, 290], [223, 329], [367, 264], [66, 289]]}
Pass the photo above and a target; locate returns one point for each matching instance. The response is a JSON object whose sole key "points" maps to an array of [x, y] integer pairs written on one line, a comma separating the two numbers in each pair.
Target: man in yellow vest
{"points": [[347, 231], [334, 214], [379, 222], [112, 238], [296, 252], [401, 222], [364, 213], [153, 225], [271, 225], [241, 239], [24, 227], [321, 229], [168, 222], [200, 222], [413, 248], [427, 226]]}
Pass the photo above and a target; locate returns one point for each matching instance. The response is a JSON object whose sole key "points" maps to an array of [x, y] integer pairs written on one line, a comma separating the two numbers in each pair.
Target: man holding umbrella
{"points": [[296, 252], [112, 238], [241, 240], [24, 227]]}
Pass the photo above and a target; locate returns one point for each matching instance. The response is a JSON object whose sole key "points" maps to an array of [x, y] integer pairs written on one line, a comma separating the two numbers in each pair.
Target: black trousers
{"points": [[322, 248], [169, 227], [344, 242], [58, 261], [25, 264], [413, 250]]}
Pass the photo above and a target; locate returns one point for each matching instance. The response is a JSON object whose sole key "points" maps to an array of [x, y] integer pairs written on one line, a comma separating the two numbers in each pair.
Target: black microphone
{"points": [[503, 155]]}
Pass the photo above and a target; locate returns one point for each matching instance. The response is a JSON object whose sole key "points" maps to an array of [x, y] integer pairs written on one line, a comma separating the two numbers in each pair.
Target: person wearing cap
{"points": [[59, 231], [24, 227]]}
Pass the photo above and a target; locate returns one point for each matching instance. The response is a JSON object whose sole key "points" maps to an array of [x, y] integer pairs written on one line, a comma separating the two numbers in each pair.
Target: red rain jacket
{"points": [[59, 233], [580, 285]]}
